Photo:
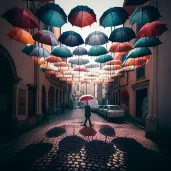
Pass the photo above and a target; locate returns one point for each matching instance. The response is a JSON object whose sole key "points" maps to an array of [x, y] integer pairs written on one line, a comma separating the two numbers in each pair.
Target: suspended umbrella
{"points": [[51, 72], [120, 47], [20, 35], [111, 67], [20, 17], [80, 51], [145, 14], [52, 14], [96, 38], [92, 74], [136, 62], [71, 38], [53, 59], [139, 52], [113, 17], [61, 64], [62, 79], [92, 65], [124, 58], [46, 37], [39, 61], [78, 61], [104, 58], [119, 55], [69, 82], [86, 97], [34, 50], [80, 69], [97, 51], [84, 82], [134, 3], [62, 52], [127, 69], [45, 66], [114, 62], [122, 34], [147, 42], [153, 29], [82, 16]]}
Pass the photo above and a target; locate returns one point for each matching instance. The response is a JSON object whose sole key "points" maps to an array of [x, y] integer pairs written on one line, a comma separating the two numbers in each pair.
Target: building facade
{"points": [[24, 89]]}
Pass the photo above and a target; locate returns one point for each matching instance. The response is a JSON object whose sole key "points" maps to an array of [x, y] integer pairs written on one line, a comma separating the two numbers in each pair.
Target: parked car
{"points": [[94, 108], [100, 107], [112, 111], [76, 107]]}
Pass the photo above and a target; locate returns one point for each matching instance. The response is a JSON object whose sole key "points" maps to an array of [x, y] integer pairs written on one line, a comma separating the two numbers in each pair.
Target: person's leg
{"points": [[85, 121], [90, 122]]}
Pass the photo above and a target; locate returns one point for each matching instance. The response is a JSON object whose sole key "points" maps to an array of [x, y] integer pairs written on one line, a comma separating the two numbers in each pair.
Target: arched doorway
{"points": [[51, 99], [8, 82]]}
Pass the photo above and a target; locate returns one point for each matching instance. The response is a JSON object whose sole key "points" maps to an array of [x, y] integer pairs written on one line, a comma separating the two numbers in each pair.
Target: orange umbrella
{"points": [[120, 47], [81, 69], [114, 62], [119, 55], [85, 82], [112, 67], [39, 61], [61, 64], [137, 61], [53, 59], [20, 35], [69, 82]]}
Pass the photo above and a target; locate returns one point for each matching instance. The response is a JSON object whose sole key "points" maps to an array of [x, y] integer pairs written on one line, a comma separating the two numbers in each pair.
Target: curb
{"points": [[135, 124]]}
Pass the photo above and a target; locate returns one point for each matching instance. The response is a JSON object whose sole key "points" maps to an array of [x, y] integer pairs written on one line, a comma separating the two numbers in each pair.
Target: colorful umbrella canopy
{"points": [[111, 67], [53, 59], [20, 35], [52, 14], [147, 42], [120, 47], [122, 34], [92, 65], [113, 17], [156, 28], [62, 52], [80, 51], [97, 51], [20, 17], [80, 69], [86, 97], [34, 50], [81, 16], [114, 62], [71, 38], [104, 58], [134, 2], [78, 61], [46, 37], [96, 38], [139, 52], [145, 14]]}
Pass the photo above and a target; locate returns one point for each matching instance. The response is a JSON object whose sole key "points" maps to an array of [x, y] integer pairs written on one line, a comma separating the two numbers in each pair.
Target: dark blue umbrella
{"points": [[134, 2], [97, 51], [80, 51], [113, 17], [96, 38], [143, 15], [52, 14], [122, 34], [33, 50], [71, 38], [62, 52]]}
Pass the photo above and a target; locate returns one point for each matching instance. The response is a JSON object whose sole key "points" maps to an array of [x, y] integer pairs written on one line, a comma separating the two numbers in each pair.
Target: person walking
{"points": [[87, 114]]}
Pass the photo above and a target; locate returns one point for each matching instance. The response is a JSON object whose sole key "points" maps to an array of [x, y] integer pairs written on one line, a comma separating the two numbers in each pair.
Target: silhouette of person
{"points": [[87, 114]]}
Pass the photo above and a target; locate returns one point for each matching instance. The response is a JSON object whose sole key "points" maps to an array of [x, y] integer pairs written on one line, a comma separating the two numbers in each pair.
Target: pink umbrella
{"points": [[86, 97]]}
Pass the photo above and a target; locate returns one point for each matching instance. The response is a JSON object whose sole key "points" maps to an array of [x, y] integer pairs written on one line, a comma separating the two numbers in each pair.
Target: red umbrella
{"points": [[53, 59], [114, 62], [20, 17], [81, 69], [120, 47], [156, 28], [86, 97]]}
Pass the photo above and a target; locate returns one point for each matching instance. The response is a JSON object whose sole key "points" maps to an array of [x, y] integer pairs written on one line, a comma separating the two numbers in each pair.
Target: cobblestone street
{"points": [[64, 144]]}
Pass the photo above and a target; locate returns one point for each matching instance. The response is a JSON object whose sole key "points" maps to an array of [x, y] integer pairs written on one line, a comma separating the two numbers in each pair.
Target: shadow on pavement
{"points": [[139, 157], [56, 132], [21, 161]]}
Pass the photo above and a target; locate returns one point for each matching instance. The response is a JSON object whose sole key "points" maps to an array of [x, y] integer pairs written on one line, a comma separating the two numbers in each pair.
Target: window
{"points": [[106, 107], [140, 72], [114, 108]]}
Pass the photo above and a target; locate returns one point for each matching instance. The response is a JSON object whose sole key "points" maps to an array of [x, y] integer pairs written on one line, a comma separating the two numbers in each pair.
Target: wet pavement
{"points": [[63, 144]]}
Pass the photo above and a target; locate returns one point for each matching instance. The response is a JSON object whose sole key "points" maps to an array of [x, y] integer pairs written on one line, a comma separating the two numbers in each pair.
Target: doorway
{"points": [[140, 96]]}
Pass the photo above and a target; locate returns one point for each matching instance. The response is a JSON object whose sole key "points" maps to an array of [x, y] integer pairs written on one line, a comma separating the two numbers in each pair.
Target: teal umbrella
{"points": [[122, 34], [145, 14], [34, 50], [71, 39], [113, 17], [139, 52], [62, 52], [123, 58], [147, 42], [52, 14], [97, 51], [104, 58]]}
